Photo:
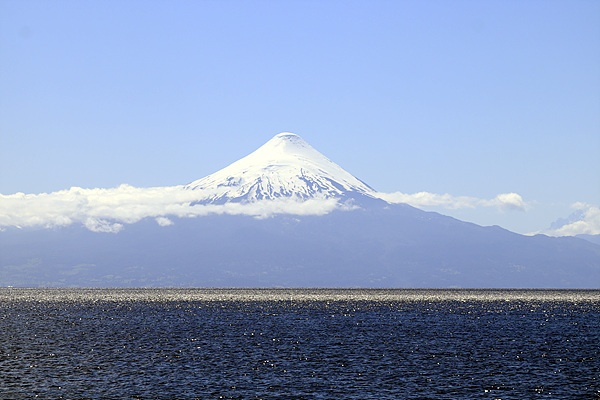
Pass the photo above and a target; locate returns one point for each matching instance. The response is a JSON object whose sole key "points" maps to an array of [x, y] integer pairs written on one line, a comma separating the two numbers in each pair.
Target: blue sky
{"points": [[466, 98]]}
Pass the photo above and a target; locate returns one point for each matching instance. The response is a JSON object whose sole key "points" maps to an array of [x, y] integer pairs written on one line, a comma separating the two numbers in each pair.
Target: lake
{"points": [[299, 344]]}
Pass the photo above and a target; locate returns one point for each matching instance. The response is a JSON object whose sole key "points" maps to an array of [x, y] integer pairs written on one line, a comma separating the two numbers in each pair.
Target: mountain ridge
{"points": [[379, 247], [362, 241]]}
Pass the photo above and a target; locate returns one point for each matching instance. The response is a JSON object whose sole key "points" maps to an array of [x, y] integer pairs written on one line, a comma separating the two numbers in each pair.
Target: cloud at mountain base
{"points": [[107, 210], [584, 220], [110, 210], [164, 221], [504, 201]]}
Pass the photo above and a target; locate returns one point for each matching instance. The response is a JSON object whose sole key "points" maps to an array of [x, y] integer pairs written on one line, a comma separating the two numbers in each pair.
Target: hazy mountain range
{"points": [[285, 216]]}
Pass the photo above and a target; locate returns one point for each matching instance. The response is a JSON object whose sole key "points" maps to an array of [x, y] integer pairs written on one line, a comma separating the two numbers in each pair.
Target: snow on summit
{"points": [[284, 167]]}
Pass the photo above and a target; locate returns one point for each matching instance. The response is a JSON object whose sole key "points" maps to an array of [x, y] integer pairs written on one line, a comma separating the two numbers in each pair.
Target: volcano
{"points": [[209, 238], [284, 167]]}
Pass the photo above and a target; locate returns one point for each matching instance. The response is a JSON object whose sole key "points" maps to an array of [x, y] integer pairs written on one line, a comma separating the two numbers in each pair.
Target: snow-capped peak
{"points": [[285, 166]]}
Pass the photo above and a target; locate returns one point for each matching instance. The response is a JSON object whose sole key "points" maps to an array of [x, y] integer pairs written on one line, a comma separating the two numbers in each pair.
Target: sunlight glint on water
{"points": [[238, 343]]}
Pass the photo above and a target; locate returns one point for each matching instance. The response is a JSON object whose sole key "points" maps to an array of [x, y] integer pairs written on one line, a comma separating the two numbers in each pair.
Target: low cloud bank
{"points": [[584, 220], [505, 201], [107, 210]]}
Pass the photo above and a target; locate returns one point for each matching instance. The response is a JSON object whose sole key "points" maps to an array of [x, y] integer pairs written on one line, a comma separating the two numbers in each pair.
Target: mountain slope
{"points": [[396, 246], [285, 166], [369, 244]]}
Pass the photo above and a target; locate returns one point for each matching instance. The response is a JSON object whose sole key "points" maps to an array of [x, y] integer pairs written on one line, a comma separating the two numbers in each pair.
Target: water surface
{"points": [[294, 344]]}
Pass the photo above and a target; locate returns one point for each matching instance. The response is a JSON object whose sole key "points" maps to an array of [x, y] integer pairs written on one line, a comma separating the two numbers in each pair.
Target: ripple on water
{"points": [[192, 343]]}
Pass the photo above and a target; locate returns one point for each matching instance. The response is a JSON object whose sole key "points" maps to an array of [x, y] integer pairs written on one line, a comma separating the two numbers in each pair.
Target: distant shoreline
{"points": [[296, 294]]}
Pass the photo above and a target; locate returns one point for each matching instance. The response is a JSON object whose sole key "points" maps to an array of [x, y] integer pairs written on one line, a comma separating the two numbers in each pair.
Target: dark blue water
{"points": [[299, 344]]}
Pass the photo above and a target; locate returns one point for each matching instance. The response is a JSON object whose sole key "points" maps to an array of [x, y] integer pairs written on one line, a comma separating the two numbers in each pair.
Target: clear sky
{"points": [[465, 98]]}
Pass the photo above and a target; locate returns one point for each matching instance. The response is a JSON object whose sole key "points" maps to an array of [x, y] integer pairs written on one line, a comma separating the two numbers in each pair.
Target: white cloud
{"points": [[585, 220], [98, 225], [164, 221], [106, 210], [505, 201]]}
